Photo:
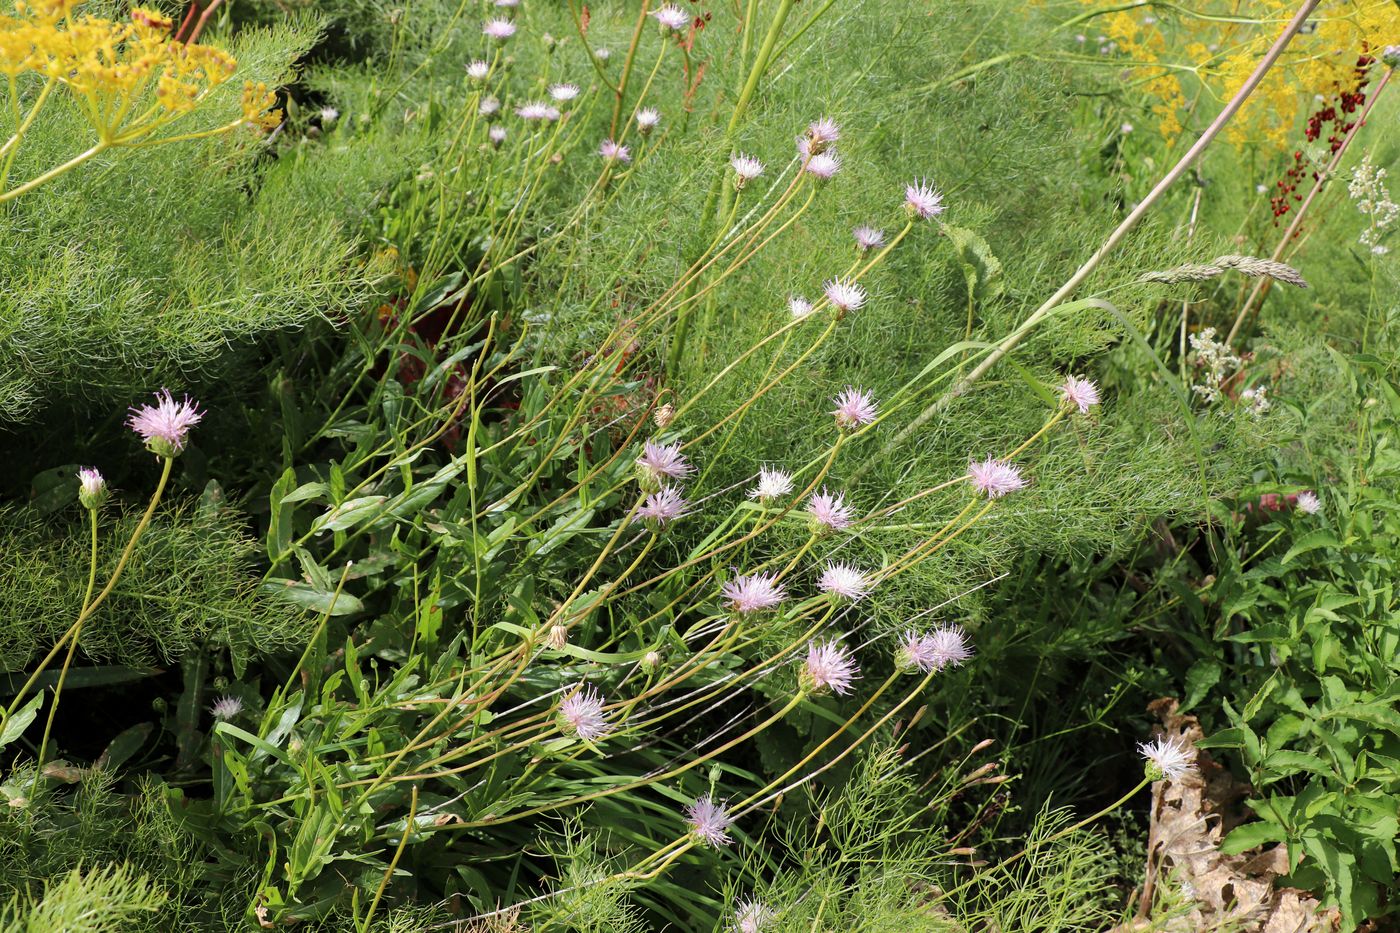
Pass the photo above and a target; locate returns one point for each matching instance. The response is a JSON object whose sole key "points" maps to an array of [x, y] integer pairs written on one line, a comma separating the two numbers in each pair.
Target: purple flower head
{"points": [[92, 488], [772, 484], [165, 426], [854, 408], [663, 506], [844, 581], [647, 118], [746, 169], [478, 70], [1307, 502], [844, 295], [709, 821], [489, 106], [1080, 393], [226, 708], [922, 199], [995, 477], [821, 134], [613, 152], [823, 165], [535, 110], [829, 666], [799, 306], [751, 916], [868, 238], [581, 714], [828, 512], [672, 17], [659, 462], [497, 135], [1166, 758], [499, 28], [945, 646], [753, 592]]}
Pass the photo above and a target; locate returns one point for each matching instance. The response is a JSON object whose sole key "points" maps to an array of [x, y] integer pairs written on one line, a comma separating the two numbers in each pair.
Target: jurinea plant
{"points": [[133, 82]]}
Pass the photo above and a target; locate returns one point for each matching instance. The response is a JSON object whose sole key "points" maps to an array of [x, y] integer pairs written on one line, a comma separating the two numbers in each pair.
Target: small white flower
{"points": [[1308, 503], [563, 92], [772, 484], [1166, 758], [478, 70]]}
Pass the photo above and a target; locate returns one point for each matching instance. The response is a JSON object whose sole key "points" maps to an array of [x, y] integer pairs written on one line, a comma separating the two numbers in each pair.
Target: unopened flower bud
{"points": [[651, 660], [92, 488], [1390, 55]]}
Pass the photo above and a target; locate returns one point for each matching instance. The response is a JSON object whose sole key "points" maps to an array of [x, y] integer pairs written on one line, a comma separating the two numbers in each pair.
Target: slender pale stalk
{"points": [[1116, 237], [1262, 285]]}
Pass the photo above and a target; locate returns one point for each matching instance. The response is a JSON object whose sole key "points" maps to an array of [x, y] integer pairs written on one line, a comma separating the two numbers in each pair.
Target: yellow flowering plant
{"points": [[1185, 57], [132, 81]]}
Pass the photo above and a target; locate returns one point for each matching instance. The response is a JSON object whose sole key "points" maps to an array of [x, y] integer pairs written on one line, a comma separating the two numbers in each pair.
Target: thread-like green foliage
{"points": [[187, 587]]}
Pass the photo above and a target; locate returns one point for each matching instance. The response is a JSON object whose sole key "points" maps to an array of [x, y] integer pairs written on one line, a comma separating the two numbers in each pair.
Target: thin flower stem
{"points": [[53, 173], [91, 607], [72, 648]]}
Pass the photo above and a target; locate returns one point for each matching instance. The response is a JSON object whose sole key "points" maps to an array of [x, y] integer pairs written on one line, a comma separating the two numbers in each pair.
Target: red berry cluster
{"points": [[1332, 117]]}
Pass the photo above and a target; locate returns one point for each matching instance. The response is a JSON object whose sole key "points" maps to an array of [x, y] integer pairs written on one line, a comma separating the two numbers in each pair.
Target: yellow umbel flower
{"points": [[131, 79]]}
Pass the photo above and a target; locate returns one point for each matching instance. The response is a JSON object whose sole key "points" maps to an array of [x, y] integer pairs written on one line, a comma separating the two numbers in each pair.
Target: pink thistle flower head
{"points": [[844, 295], [945, 646], [844, 581], [497, 135], [226, 708], [772, 484], [647, 119], [1308, 503], [581, 714], [165, 426], [823, 165], [478, 70], [489, 106], [829, 666], [922, 199], [614, 152], [563, 92], [995, 478], [709, 821], [854, 408], [821, 134], [508, 3], [751, 916], [671, 17], [746, 169], [868, 238], [1080, 393], [663, 506], [1167, 759], [753, 592], [799, 306], [92, 488], [828, 513], [659, 462], [499, 29]]}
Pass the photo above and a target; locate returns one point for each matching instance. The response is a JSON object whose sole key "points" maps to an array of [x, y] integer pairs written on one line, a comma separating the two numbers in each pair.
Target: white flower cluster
{"points": [[1372, 197], [1216, 362]]}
